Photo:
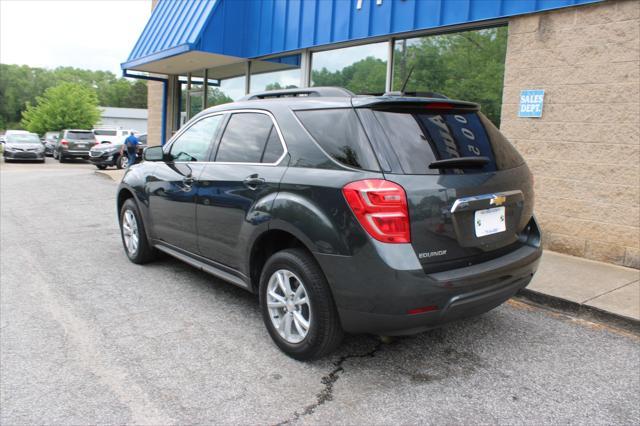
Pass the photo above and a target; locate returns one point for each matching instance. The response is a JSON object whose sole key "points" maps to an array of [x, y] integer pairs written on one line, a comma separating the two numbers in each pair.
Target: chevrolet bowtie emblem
{"points": [[498, 200]]}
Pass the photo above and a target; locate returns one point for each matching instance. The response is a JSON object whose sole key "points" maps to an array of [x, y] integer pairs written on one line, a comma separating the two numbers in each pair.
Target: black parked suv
{"points": [[378, 214], [104, 155]]}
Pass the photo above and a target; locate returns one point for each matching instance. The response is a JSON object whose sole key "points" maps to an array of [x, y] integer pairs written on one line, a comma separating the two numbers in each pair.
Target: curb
{"points": [[108, 175], [579, 310]]}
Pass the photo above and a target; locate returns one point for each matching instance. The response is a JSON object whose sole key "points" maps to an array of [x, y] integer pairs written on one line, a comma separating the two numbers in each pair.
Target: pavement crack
{"points": [[326, 394]]}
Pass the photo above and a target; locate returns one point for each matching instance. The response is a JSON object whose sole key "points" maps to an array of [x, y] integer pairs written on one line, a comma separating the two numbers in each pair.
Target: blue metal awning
{"points": [[187, 35]]}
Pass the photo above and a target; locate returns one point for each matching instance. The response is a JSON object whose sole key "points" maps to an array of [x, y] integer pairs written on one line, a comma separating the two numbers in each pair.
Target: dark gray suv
{"points": [[377, 214]]}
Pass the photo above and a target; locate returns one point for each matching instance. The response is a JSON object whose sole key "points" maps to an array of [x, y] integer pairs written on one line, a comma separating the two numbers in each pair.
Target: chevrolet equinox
{"points": [[384, 214]]}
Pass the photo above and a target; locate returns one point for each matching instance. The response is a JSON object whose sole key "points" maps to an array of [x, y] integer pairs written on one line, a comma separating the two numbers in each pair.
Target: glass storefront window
{"points": [[276, 73], [276, 80], [361, 69], [230, 89], [467, 65]]}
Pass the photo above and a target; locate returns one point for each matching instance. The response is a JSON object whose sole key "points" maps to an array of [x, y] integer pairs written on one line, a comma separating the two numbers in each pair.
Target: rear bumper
{"points": [[378, 300], [75, 154]]}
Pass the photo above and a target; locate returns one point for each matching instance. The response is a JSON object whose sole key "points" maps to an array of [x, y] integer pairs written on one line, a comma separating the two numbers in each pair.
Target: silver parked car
{"points": [[23, 146]]}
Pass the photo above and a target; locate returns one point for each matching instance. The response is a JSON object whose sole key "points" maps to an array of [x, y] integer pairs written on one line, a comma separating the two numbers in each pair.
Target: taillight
{"points": [[439, 105], [381, 208], [64, 142]]}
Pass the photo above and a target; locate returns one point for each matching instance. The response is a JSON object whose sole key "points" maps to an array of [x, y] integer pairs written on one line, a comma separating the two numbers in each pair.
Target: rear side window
{"points": [[339, 133], [80, 135], [419, 138], [249, 138]]}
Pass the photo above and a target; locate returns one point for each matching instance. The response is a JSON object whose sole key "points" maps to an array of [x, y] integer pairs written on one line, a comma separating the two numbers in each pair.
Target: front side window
{"points": [[194, 143], [249, 138]]}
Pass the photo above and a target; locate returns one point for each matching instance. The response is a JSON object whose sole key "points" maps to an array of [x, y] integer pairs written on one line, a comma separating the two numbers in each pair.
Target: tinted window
{"points": [[273, 150], [80, 135], [142, 139], [245, 138], [418, 139], [193, 144], [339, 133]]}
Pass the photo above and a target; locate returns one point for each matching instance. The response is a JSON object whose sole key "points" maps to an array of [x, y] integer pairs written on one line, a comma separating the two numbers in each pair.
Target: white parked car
{"points": [[111, 135]]}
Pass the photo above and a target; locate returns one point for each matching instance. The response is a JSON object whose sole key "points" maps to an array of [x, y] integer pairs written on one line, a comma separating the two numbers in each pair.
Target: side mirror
{"points": [[153, 153]]}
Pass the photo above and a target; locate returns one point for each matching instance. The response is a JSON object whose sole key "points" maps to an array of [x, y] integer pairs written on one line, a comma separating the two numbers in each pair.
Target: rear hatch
{"points": [[469, 192], [80, 140]]}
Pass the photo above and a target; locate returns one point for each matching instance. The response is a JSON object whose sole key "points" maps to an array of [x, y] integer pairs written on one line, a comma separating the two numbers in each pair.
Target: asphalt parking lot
{"points": [[88, 337]]}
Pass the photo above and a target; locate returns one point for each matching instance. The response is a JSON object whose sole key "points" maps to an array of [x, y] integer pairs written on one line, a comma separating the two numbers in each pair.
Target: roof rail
{"points": [[324, 92]]}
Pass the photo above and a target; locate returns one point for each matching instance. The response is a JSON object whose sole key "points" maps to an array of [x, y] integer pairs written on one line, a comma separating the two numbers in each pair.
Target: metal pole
{"points": [[205, 86], [388, 87], [247, 80]]}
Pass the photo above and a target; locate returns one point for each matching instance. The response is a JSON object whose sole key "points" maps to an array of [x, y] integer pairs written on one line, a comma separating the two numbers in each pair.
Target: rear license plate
{"points": [[490, 221], [81, 145]]}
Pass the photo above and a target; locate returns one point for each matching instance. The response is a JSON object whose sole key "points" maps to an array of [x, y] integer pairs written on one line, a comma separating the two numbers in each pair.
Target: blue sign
{"points": [[531, 103]]}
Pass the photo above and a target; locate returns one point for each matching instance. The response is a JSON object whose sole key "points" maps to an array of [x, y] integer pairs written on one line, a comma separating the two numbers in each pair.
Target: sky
{"points": [[88, 34]]}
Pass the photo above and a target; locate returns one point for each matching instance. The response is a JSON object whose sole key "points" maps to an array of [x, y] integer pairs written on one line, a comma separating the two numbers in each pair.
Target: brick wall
{"points": [[154, 106], [585, 150]]}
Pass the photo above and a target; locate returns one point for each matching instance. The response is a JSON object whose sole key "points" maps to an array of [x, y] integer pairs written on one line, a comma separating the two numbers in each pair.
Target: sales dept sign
{"points": [[531, 103]]}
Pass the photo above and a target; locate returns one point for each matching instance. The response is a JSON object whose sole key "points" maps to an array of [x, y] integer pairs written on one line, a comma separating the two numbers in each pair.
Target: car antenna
{"points": [[406, 80]]}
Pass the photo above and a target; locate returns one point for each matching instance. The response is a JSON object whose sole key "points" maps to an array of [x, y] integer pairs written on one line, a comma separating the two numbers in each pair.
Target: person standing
{"points": [[131, 145]]}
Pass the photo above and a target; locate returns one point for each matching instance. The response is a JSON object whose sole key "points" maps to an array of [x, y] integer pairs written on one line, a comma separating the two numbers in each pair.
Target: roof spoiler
{"points": [[324, 92], [411, 103]]}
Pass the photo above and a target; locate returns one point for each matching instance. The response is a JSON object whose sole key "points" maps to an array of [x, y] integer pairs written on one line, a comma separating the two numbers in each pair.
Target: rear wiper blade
{"points": [[459, 162]]}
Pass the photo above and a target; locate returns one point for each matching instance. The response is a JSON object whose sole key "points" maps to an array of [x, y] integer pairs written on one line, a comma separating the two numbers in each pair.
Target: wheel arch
{"points": [[266, 245]]}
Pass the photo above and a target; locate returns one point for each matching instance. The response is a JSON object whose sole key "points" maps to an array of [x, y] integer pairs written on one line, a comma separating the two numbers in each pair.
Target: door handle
{"points": [[253, 181]]}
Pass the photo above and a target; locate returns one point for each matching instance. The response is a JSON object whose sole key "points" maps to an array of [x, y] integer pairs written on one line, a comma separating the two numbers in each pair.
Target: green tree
{"points": [[215, 96], [362, 77], [20, 85], [468, 66], [68, 105]]}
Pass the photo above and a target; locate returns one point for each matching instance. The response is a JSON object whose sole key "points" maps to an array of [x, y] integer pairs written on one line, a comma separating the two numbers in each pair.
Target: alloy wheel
{"points": [[130, 232], [288, 305]]}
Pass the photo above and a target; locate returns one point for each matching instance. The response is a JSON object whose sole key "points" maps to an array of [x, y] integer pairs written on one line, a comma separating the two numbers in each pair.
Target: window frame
{"points": [[214, 155]]}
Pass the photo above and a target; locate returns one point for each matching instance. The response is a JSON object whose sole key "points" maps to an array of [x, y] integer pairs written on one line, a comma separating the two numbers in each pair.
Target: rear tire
{"points": [[61, 158], [324, 332], [131, 225], [101, 167]]}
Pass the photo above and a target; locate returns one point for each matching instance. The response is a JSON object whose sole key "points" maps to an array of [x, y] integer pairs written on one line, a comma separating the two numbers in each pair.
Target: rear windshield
{"points": [[339, 133], [418, 139], [105, 132], [80, 135]]}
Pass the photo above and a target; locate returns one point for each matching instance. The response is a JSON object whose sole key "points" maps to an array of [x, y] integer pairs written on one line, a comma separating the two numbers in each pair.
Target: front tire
{"points": [[122, 162], [134, 238], [297, 306]]}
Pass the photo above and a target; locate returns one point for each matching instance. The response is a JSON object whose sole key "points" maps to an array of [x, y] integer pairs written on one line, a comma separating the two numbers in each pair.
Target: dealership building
{"points": [[560, 77]]}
